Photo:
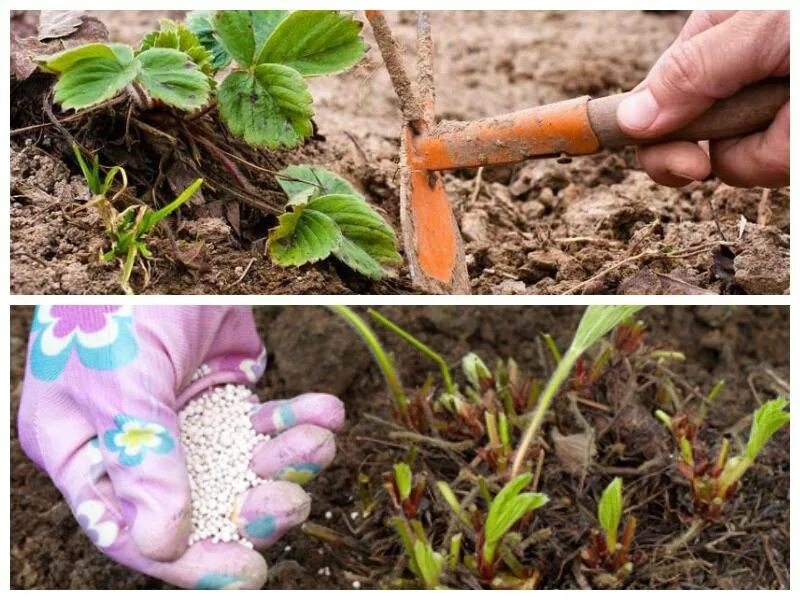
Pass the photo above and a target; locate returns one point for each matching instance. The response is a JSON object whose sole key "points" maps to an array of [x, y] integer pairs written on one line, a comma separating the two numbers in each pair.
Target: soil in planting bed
{"points": [[748, 347], [595, 225]]}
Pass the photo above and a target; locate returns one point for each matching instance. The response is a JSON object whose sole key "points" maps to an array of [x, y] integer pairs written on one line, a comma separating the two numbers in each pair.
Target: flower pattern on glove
{"points": [[90, 514], [254, 369], [100, 336], [132, 438]]}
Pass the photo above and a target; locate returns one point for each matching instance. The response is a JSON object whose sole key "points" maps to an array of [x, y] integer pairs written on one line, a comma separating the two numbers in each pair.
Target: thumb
{"points": [[144, 460], [696, 71]]}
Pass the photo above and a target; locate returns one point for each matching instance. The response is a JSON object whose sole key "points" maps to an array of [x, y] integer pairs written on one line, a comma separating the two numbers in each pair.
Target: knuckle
{"points": [[684, 70]]}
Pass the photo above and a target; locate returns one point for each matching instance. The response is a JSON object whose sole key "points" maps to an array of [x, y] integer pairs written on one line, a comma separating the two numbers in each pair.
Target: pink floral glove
{"points": [[99, 414]]}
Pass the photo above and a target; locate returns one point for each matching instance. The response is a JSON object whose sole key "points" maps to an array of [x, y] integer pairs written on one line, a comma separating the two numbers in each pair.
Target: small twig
{"points": [[771, 559], [696, 526], [76, 117], [476, 189], [243, 275], [646, 255], [424, 439]]}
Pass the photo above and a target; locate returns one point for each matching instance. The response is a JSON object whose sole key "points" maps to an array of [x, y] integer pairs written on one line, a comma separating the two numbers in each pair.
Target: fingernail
{"points": [[688, 178], [638, 110]]}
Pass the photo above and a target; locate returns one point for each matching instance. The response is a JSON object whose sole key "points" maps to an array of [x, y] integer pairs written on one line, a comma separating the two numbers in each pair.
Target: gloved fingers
{"points": [[323, 410], [209, 566], [298, 454], [203, 565], [264, 513], [675, 164], [145, 463]]}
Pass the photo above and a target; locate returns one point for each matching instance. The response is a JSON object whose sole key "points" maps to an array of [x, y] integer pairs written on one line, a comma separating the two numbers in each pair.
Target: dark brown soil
{"points": [[312, 350], [596, 225]]}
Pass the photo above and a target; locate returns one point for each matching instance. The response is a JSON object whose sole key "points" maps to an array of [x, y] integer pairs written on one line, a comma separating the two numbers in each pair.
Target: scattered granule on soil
{"points": [[218, 440]]}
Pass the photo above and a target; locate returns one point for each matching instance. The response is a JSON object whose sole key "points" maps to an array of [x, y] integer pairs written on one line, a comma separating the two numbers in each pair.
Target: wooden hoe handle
{"points": [[751, 109]]}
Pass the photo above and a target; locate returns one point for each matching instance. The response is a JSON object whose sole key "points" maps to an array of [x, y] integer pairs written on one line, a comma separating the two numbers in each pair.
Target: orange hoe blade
{"points": [[431, 237]]}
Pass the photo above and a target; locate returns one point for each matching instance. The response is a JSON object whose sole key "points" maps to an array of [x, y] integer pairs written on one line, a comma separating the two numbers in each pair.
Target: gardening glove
{"points": [[98, 413], [716, 54]]}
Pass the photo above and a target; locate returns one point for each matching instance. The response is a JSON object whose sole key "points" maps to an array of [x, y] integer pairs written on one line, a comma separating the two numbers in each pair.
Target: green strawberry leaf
{"points": [[368, 241], [315, 42], [264, 23], [61, 61], [201, 23], [170, 76], [93, 76], [179, 37], [302, 236], [303, 182], [271, 107], [235, 32]]}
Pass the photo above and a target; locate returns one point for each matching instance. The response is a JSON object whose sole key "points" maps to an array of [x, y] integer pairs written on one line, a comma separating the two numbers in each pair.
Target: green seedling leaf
{"points": [[303, 236], [90, 174], [368, 242], [153, 218], [304, 182], [508, 507], [609, 512], [429, 563], [767, 420], [447, 493], [89, 78], [179, 37], [315, 42], [170, 75], [270, 107], [597, 321], [201, 23], [403, 479], [475, 370], [234, 29]]}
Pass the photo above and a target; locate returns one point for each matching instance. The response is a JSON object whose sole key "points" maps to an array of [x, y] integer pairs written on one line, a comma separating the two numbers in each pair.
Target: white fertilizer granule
{"points": [[218, 441]]}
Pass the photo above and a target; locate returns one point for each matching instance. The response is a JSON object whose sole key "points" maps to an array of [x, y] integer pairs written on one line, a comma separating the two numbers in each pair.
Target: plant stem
{"points": [[449, 387], [381, 357], [556, 379]]}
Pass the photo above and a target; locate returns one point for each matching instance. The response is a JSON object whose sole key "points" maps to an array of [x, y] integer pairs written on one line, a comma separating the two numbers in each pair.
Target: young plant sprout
{"points": [[714, 482], [607, 556], [129, 229], [99, 186], [405, 489], [595, 323], [423, 561], [494, 561]]}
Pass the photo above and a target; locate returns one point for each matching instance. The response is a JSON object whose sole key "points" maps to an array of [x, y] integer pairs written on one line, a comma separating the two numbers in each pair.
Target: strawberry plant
{"points": [[329, 216], [263, 100], [714, 479], [607, 556]]}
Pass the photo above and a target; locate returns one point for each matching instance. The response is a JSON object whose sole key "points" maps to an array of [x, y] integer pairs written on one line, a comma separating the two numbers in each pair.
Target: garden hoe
{"points": [[573, 127]]}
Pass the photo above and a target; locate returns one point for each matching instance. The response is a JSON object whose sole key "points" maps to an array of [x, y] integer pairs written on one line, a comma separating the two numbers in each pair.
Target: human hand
{"points": [[716, 54], [99, 414]]}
